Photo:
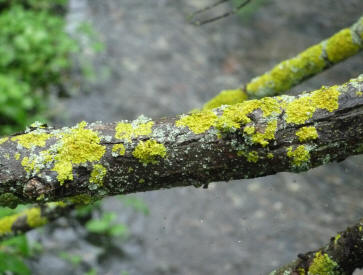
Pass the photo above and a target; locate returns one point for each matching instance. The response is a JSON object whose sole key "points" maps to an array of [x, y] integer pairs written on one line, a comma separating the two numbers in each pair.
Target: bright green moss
{"points": [[341, 46], [323, 264], [128, 131], [2, 140], [149, 151], [34, 217], [301, 109], [198, 122], [307, 133], [32, 139], [226, 97], [119, 149], [300, 155], [269, 134], [9, 200], [97, 174], [6, 223], [288, 73]]}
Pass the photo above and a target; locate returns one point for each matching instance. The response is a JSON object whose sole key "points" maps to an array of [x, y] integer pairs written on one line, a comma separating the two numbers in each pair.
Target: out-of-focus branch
{"points": [[291, 72]]}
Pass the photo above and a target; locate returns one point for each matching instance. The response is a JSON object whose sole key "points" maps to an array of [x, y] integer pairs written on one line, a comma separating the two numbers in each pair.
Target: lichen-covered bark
{"points": [[342, 255], [342, 45], [251, 139]]}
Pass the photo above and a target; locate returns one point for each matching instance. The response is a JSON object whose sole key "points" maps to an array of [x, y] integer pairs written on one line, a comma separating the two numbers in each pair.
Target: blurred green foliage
{"points": [[248, 11], [34, 54]]}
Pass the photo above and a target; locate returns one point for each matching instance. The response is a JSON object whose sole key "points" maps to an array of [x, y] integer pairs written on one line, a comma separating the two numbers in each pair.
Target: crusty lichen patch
{"points": [[300, 155], [97, 174], [251, 156], [323, 264], [263, 138], [307, 133], [149, 151], [226, 97], [32, 139], [198, 122], [118, 150], [303, 108], [139, 127], [4, 139]]}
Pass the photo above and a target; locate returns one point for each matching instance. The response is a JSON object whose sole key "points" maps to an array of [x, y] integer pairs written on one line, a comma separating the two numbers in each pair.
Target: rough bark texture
{"points": [[342, 255], [289, 73], [251, 139]]}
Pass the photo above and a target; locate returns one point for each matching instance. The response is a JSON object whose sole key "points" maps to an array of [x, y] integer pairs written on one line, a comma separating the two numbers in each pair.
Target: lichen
{"points": [[82, 199], [307, 133], [251, 156], [341, 46], [323, 264], [226, 97], [300, 155], [17, 156], [4, 139], [128, 131], [118, 150], [270, 156], [32, 139], [198, 122], [336, 239], [303, 108], [149, 151], [268, 134], [359, 93], [34, 217], [97, 174]]}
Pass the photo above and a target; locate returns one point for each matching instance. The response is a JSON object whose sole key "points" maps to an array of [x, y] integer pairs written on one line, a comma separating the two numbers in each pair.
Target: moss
{"points": [[9, 200], [2, 140], [149, 151], [300, 155], [288, 73], [270, 156], [32, 139], [307, 133], [34, 217], [269, 134], [118, 150], [302, 108], [226, 97], [128, 131], [82, 199], [198, 122], [323, 264], [97, 174], [6, 223], [341, 46]]}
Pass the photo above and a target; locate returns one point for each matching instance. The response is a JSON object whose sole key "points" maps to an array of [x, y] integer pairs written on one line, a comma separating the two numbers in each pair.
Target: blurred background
{"points": [[62, 62]]}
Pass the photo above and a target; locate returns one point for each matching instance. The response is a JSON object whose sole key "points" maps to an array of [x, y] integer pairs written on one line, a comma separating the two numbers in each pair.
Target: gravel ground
{"points": [[157, 64]]}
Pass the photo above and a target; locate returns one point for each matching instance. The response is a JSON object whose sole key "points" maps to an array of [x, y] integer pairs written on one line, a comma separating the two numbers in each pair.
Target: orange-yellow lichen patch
{"points": [[251, 156], [149, 151], [2, 140], [300, 155], [341, 46], [302, 108], [128, 131], [268, 134], [118, 149], [307, 133], [32, 139], [198, 122], [97, 174], [226, 97]]}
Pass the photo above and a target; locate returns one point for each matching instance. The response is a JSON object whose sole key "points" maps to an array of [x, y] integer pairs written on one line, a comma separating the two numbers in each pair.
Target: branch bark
{"points": [[251, 139]]}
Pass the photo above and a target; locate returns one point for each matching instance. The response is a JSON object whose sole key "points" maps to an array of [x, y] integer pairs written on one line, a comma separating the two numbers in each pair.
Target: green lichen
{"points": [[128, 131], [359, 93], [300, 155], [97, 174], [303, 108], [251, 156], [250, 129], [2, 140], [268, 134], [149, 151], [118, 150], [226, 97], [17, 156], [9, 200], [307, 133], [288, 73], [323, 264], [141, 180], [270, 156], [341, 46], [32, 139], [198, 122]]}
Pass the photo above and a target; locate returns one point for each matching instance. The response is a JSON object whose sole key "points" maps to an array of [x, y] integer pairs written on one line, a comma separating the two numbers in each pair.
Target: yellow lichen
{"points": [[6, 223], [119, 149], [300, 155], [226, 97], [97, 174], [128, 131], [323, 264], [34, 217], [82, 199], [301, 109], [307, 133], [270, 156], [359, 93], [336, 239], [32, 139], [341, 46], [198, 122], [249, 130], [149, 151], [268, 134], [29, 165], [251, 156], [17, 156], [2, 140]]}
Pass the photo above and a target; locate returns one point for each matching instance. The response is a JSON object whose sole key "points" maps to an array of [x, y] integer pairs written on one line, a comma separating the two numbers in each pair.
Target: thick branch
{"points": [[342, 255], [251, 139], [289, 73]]}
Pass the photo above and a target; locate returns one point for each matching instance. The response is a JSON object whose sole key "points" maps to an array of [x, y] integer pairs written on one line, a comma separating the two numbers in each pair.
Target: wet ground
{"points": [[157, 64]]}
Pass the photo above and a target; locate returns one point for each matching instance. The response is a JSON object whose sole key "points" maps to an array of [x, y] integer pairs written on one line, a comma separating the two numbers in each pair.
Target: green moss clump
{"points": [[341, 46], [198, 122], [226, 97], [149, 151], [323, 264], [307, 133]]}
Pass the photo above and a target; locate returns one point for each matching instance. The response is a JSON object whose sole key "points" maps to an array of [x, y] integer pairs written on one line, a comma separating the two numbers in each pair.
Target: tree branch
{"points": [[251, 139], [291, 72]]}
